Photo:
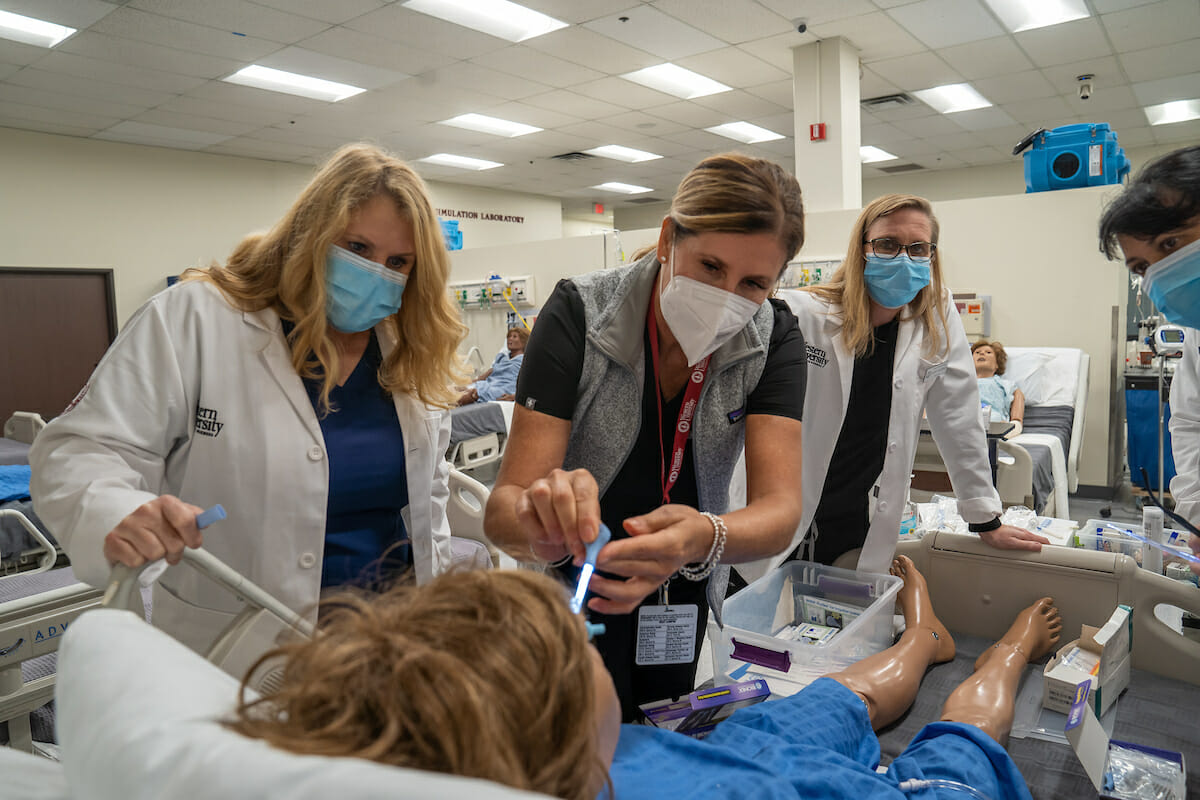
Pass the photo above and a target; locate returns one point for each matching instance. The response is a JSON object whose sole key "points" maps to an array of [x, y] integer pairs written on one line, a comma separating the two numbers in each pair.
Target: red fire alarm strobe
{"points": [[597, 208], [816, 132]]}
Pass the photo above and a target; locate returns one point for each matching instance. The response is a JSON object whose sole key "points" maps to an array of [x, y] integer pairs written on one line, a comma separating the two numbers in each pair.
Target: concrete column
{"points": [[825, 88]]}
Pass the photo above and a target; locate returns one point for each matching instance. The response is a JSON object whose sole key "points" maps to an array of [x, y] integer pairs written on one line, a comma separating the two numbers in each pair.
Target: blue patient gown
{"points": [[815, 744], [503, 379], [997, 393]]}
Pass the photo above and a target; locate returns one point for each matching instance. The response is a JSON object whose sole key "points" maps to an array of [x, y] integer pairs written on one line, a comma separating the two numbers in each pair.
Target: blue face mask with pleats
{"points": [[894, 282], [359, 294], [1173, 285]]}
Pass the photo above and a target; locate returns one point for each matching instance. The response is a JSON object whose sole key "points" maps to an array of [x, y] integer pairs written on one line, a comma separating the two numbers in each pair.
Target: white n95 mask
{"points": [[702, 317]]}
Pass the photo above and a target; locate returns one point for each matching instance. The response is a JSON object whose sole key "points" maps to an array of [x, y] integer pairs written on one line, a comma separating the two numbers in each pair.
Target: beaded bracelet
{"points": [[702, 570]]}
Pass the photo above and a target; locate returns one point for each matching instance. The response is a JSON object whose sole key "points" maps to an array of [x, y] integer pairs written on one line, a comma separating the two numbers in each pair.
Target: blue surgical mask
{"points": [[359, 294], [1173, 285], [894, 282]]}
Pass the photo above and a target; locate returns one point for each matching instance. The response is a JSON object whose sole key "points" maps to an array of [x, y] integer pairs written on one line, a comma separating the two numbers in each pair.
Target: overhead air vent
{"points": [[887, 102], [641, 201], [900, 168], [573, 156]]}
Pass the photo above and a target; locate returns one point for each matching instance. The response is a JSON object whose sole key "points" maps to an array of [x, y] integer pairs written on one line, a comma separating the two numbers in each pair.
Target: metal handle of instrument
{"points": [[47, 560]]}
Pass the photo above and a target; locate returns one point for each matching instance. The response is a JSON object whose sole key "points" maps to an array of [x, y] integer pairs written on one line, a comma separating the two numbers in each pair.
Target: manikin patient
{"points": [[487, 674], [1006, 400]]}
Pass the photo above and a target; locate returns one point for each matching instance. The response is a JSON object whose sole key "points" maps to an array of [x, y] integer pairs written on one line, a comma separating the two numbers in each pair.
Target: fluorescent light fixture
{"points": [[492, 125], [677, 81], [28, 30], [510, 21], [1174, 111], [462, 162], [622, 188], [276, 80], [744, 132], [620, 153], [953, 97], [1025, 15], [869, 154]]}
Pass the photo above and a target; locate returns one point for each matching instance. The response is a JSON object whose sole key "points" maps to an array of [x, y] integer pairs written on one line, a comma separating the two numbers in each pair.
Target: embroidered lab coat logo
{"points": [[206, 422], [816, 356]]}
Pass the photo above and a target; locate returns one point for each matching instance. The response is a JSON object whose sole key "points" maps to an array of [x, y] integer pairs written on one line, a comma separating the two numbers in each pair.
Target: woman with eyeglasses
{"points": [[885, 343]]}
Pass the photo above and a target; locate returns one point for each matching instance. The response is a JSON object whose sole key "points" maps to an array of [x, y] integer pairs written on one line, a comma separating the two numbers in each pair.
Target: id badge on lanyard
{"points": [[669, 472]]}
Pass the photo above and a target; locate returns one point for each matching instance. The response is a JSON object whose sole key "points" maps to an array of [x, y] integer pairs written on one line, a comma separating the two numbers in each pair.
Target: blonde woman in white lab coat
{"points": [[303, 386], [884, 342]]}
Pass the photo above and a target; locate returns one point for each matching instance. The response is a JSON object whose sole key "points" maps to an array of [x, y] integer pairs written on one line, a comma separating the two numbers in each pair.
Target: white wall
{"points": [[149, 212]]}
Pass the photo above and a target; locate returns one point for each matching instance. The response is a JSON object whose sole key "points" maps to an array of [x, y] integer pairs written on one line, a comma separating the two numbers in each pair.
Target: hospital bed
{"points": [[479, 433], [1038, 468]]}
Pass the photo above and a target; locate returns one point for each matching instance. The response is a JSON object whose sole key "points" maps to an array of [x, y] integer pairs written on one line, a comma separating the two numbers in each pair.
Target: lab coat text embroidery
{"points": [[816, 356], [206, 422]]}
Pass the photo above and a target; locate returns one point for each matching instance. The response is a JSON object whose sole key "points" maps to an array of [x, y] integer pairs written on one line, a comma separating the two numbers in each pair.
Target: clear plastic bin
{"points": [[776, 601], [1096, 535]]}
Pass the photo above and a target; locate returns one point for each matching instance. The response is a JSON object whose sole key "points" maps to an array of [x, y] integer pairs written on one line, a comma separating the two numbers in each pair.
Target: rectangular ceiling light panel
{"points": [[492, 125], [622, 188], [1025, 15], [676, 80], [1174, 111], [744, 132], [953, 97], [29, 30], [869, 154], [499, 18], [620, 153], [462, 162], [276, 80]]}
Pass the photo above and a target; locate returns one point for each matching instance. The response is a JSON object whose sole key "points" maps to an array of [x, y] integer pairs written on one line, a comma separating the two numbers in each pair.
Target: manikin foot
{"points": [[1032, 634], [918, 610]]}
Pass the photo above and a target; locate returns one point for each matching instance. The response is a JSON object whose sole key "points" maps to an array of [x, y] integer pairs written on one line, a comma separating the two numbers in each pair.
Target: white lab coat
{"points": [[1185, 430], [945, 387], [200, 400]]}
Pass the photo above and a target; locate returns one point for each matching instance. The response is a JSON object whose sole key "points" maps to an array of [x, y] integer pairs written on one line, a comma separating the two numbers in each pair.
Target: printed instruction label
{"points": [[667, 634], [1095, 154]]}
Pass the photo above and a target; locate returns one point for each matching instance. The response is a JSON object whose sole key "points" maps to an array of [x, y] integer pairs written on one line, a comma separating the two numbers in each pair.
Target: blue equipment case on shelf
{"points": [[1072, 156], [451, 233]]}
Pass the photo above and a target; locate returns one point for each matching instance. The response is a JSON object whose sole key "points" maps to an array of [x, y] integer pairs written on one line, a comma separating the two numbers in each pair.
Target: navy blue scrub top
{"points": [[368, 486]]}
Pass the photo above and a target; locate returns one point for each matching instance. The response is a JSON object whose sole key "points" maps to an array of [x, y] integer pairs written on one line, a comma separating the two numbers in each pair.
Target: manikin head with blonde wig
{"points": [[284, 269], [484, 674]]}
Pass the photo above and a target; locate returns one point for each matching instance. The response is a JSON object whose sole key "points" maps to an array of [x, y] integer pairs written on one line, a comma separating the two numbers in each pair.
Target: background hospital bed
{"points": [[1039, 467], [478, 433]]}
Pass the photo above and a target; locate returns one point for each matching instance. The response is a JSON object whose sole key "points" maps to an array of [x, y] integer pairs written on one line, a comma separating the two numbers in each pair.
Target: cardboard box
{"points": [[1107, 768], [698, 713], [1100, 658]]}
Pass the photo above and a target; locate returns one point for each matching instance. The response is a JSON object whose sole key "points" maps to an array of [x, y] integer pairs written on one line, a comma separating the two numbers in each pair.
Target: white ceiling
{"points": [[148, 71]]}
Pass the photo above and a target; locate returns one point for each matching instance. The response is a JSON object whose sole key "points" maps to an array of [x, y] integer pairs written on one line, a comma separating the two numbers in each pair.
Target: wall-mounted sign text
{"points": [[489, 216]]}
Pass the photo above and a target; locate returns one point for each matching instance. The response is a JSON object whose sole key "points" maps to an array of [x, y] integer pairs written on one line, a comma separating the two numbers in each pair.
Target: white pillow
{"points": [[137, 718], [1047, 376]]}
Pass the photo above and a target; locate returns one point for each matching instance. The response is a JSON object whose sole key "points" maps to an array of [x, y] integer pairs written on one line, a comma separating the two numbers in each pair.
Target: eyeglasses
{"points": [[890, 248]]}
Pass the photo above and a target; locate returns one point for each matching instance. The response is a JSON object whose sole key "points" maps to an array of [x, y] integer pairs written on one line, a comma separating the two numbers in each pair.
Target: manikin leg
{"points": [[888, 682], [986, 699]]}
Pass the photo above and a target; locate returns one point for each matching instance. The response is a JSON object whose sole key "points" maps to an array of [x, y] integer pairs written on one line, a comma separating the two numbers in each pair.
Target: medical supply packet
{"points": [[823, 611], [1100, 658], [697, 714]]}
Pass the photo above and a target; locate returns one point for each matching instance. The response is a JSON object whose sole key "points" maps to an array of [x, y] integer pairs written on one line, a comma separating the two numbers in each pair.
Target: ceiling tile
{"points": [[249, 96], [368, 48], [12, 93], [871, 84], [937, 125], [422, 31], [1065, 77], [910, 148], [10, 118], [112, 72], [877, 36], [237, 16], [1015, 86], [975, 156], [12, 112], [1037, 112], [331, 68], [77, 14], [734, 67], [576, 105], [1136, 137], [945, 23], [739, 105], [982, 119], [1108, 6], [487, 81], [1161, 62], [1163, 90], [1153, 25], [1005, 138], [778, 92], [199, 107], [335, 13], [880, 135], [145, 55], [1178, 132], [1106, 99], [621, 92], [1062, 44], [688, 113], [249, 147], [141, 26], [591, 49], [532, 115], [921, 71], [939, 161], [521, 60], [819, 12], [730, 22], [777, 50], [20, 54], [172, 119], [955, 141], [88, 88], [984, 59], [159, 136], [575, 11], [649, 29]]}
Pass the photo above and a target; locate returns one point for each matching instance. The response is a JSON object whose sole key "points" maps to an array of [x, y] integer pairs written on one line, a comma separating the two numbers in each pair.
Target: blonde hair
{"points": [[735, 193], [484, 674], [284, 269], [848, 289]]}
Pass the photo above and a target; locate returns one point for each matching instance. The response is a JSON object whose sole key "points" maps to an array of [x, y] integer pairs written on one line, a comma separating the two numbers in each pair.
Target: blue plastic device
{"points": [[603, 536], [451, 233], [1072, 156]]}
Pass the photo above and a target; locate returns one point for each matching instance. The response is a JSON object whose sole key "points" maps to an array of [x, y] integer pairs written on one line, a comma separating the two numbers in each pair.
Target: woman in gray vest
{"points": [[640, 387]]}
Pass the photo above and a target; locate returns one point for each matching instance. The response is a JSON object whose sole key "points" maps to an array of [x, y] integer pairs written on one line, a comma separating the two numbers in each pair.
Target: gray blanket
{"points": [[1054, 421], [477, 419], [13, 452]]}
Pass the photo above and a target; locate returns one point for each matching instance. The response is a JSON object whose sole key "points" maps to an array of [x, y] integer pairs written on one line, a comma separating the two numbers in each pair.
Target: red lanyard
{"points": [[691, 398]]}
